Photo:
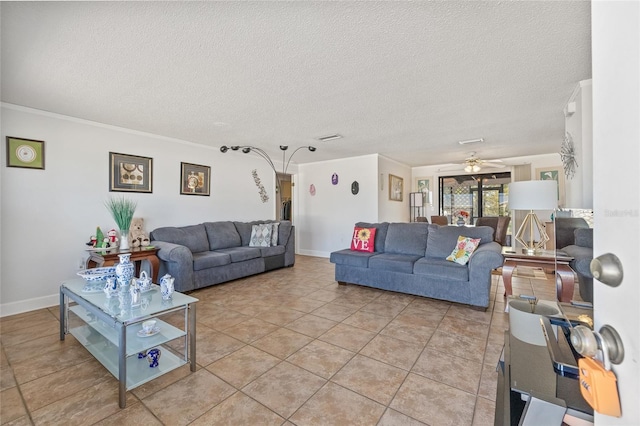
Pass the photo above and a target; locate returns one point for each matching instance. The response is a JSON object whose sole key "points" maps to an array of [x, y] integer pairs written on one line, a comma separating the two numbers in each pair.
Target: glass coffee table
{"points": [[552, 259], [114, 336]]}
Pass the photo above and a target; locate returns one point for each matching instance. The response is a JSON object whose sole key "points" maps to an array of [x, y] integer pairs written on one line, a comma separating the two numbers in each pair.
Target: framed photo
{"points": [[396, 188], [25, 153], [553, 173], [423, 184], [195, 179], [130, 173]]}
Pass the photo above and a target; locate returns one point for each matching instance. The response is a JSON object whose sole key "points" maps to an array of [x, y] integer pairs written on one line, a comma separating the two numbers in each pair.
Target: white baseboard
{"points": [[314, 253], [21, 306]]}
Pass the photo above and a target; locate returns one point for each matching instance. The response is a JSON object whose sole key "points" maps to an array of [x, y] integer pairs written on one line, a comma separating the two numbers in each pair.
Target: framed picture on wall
{"points": [[130, 173], [396, 188], [553, 173], [195, 179], [423, 184], [25, 153]]}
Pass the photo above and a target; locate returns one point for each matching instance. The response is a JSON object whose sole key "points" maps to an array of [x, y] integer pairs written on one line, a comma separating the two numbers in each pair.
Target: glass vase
{"points": [[124, 239]]}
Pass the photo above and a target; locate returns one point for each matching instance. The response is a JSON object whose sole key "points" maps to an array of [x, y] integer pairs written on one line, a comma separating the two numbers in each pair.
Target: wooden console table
{"points": [[552, 259], [138, 254]]}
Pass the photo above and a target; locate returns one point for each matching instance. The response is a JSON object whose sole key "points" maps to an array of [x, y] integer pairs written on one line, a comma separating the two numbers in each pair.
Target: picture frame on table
{"points": [[25, 153], [396, 188], [553, 173], [130, 173], [195, 179]]}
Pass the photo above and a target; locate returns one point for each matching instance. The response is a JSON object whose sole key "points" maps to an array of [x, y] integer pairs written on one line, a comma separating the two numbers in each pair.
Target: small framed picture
{"points": [[195, 179], [395, 188], [130, 173], [25, 153]]}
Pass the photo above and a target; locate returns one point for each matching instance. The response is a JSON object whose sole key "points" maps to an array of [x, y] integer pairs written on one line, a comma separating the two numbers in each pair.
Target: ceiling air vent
{"points": [[329, 137]]}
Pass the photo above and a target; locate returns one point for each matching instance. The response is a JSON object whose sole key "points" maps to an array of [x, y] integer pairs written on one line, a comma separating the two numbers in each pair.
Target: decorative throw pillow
{"points": [[274, 234], [463, 250], [260, 235], [363, 239]]}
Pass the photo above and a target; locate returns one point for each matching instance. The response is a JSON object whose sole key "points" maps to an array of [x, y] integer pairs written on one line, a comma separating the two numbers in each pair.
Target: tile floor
{"points": [[287, 347]]}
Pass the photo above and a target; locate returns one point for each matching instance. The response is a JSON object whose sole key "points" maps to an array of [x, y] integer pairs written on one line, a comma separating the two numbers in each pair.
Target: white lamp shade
{"points": [[533, 195]]}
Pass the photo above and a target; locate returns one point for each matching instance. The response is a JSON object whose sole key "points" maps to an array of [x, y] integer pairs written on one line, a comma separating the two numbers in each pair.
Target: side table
{"points": [[555, 259], [111, 332], [138, 254]]}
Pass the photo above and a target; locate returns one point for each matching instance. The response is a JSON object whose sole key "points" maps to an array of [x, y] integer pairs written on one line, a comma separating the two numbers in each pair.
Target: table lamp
{"points": [[533, 195]]}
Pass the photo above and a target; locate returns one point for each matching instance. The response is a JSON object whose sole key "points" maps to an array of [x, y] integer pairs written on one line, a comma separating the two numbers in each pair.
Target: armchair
{"points": [[582, 252]]}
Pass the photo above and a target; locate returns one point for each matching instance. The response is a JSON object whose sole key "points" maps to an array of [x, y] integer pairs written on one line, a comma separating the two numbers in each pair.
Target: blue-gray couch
{"points": [[411, 258], [211, 253]]}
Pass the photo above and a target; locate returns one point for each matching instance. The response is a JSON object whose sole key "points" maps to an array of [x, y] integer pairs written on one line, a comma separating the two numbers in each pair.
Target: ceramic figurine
{"points": [[134, 289], [111, 288], [142, 354], [154, 357], [166, 286], [144, 282]]}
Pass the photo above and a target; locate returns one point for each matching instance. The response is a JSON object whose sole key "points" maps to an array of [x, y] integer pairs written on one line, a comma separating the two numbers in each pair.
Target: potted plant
{"points": [[122, 210]]}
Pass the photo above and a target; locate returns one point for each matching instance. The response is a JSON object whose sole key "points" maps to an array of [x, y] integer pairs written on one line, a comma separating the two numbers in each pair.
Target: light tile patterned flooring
{"points": [[287, 347]]}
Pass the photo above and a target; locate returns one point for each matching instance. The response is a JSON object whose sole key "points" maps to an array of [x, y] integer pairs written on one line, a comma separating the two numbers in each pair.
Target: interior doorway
{"points": [[284, 201]]}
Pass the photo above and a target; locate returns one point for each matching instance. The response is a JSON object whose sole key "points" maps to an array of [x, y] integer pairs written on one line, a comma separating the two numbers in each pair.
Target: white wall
{"points": [[324, 222], [388, 210], [48, 215]]}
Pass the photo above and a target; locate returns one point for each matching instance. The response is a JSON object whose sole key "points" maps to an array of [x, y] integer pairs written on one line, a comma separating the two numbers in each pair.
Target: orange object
{"points": [[598, 387]]}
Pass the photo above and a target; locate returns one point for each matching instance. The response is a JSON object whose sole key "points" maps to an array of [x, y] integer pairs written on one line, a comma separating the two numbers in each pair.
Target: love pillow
{"points": [[363, 239]]}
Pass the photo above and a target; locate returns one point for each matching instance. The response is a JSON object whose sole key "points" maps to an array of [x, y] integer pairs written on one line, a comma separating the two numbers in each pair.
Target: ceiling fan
{"points": [[475, 164]]}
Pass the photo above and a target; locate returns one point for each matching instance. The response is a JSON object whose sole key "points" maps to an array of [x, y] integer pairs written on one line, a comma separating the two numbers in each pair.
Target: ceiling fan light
{"points": [[468, 169], [476, 168]]}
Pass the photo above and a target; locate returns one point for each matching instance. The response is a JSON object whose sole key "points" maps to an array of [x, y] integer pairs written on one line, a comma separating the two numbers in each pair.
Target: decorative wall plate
{"points": [[355, 187], [26, 153], [312, 190], [334, 179]]}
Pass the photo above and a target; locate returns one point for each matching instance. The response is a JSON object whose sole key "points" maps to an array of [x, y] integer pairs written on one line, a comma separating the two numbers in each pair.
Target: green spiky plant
{"points": [[121, 210]]}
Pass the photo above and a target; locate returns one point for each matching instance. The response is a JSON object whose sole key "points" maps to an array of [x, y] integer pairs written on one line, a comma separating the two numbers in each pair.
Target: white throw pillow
{"points": [[260, 235], [274, 234]]}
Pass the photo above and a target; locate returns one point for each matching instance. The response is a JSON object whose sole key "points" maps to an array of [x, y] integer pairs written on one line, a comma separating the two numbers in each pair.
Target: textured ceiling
{"points": [[403, 79]]}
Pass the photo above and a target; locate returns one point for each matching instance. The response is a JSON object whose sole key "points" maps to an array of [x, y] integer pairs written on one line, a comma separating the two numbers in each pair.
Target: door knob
{"points": [[607, 269]]}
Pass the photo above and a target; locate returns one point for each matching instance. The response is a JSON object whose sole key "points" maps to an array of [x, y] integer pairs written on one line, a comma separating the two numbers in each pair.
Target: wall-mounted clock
{"points": [[568, 156]]}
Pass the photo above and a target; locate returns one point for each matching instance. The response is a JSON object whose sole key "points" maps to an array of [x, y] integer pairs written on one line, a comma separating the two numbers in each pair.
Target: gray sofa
{"points": [[411, 258], [210, 253]]}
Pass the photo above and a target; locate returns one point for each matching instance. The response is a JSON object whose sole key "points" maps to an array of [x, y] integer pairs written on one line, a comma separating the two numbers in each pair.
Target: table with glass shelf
{"points": [[110, 334]]}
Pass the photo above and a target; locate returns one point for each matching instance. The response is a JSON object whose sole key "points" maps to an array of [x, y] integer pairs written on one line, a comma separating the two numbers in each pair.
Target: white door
{"points": [[616, 185]]}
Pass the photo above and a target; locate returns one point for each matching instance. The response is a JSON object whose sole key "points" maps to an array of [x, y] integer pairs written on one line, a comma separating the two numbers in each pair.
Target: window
{"points": [[477, 195]]}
